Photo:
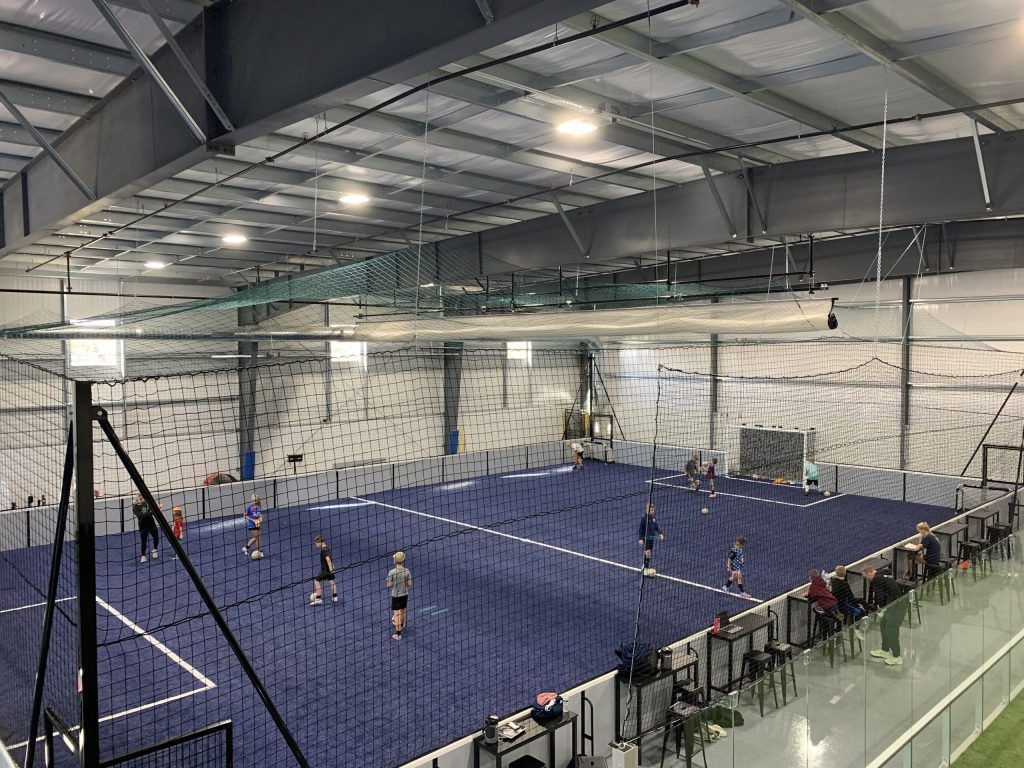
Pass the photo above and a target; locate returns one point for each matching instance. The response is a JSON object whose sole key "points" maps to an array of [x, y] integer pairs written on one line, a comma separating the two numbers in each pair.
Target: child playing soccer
{"points": [[692, 472], [326, 573], [178, 524], [253, 521], [577, 455], [810, 477], [734, 566], [399, 581], [711, 473], [648, 533]]}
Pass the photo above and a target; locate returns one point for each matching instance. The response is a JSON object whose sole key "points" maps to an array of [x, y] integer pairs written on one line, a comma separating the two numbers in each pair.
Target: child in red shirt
{"points": [[178, 524]]}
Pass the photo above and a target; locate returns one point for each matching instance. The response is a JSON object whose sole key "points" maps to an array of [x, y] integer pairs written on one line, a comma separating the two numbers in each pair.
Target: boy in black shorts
{"points": [[326, 574], [648, 533], [399, 581]]}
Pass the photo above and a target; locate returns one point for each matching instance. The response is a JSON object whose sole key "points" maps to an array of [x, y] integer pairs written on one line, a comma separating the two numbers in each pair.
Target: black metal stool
{"points": [[685, 720], [970, 552], [782, 656], [826, 629], [757, 665]]}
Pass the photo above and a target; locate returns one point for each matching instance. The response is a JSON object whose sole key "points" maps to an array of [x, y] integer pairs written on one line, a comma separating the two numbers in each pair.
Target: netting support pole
{"points": [[452, 382], [992, 423], [85, 538], [905, 370], [51, 596], [211, 605], [247, 408], [713, 387]]}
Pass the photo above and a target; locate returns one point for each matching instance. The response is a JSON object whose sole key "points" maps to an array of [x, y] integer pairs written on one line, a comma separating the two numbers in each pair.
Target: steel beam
{"points": [[722, 210], [838, 193], [186, 65], [144, 61], [584, 251], [886, 55], [262, 62]]}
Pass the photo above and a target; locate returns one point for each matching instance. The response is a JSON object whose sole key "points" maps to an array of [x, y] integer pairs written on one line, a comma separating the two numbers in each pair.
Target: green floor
{"points": [[1001, 745]]}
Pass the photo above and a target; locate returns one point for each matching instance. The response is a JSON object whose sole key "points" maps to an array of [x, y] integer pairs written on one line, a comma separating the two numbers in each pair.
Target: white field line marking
{"points": [[751, 498], [156, 643], [523, 540], [207, 683], [34, 605]]}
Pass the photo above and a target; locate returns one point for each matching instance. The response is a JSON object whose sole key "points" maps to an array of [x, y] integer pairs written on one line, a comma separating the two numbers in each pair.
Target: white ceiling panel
{"points": [[859, 97], [738, 118], [908, 20], [988, 72], [50, 74], [798, 44], [689, 19], [643, 82], [41, 119], [80, 19], [566, 57], [511, 128]]}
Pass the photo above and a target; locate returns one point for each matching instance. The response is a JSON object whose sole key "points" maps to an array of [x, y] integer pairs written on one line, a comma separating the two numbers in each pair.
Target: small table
{"points": [[798, 601], [662, 682], [534, 731], [908, 552], [747, 627], [979, 519], [950, 535]]}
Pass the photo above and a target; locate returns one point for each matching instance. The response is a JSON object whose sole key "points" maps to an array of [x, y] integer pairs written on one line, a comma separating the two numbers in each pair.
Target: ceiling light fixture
{"points": [[235, 239], [427, 285], [353, 198], [576, 127], [155, 265]]}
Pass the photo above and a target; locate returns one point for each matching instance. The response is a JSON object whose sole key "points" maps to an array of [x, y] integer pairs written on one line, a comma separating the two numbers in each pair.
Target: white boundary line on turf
{"points": [[564, 551], [145, 635], [33, 605], [751, 498], [207, 683]]}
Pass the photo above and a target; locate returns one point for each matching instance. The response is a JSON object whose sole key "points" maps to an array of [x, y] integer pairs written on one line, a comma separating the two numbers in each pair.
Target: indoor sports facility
{"points": [[526, 383]]}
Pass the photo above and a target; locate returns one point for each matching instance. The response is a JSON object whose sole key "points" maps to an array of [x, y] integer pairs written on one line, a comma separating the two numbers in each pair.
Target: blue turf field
{"points": [[523, 582]]}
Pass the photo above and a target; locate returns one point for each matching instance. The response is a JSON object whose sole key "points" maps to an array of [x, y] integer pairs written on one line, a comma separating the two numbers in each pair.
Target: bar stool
{"points": [[938, 576], [757, 665], [910, 586], [970, 552], [782, 660], [999, 537], [685, 720], [826, 629]]}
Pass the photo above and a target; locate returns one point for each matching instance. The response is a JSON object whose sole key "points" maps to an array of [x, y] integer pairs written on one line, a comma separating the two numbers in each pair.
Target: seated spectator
{"points": [[929, 550], [849, 605], [820, 596]]}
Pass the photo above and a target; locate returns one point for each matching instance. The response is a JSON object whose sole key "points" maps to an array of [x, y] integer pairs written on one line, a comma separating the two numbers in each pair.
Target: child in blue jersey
{"points": [[253, 520], [734, 566], [648, 533], [810, 477], [711, 473]]}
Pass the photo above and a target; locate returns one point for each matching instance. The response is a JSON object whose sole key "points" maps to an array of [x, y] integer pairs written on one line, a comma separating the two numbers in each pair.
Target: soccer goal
{"points": [[775, 452]]}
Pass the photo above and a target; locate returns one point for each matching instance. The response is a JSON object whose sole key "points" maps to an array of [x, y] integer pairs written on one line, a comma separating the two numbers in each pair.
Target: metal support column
{"points": [[981, 166], [713, 390], [328, 373], [906, 318], [247, 376], [85, 541], [452, 381], [751, 198]]}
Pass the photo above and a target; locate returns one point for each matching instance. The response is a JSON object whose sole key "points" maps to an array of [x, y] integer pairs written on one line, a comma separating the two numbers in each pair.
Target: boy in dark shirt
{"points": [[692, 472], [326, 574], [648, 533], [711, 473]]}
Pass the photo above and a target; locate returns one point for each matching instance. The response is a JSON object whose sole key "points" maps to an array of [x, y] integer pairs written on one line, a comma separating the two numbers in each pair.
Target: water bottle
{"points": [[715, 626]]}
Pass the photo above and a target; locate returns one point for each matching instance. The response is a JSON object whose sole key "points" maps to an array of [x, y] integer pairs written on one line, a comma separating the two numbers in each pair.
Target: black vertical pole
{"points": [[591, 392], [905, 371], [85, 536], [51, 597]]}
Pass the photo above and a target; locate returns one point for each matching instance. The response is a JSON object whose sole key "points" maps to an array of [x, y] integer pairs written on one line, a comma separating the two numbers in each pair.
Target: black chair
{"points": [[685, 720], [782, 657], [971, 552]]}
